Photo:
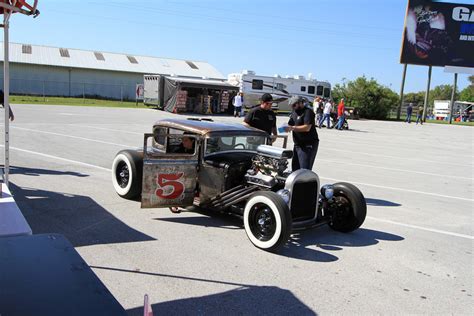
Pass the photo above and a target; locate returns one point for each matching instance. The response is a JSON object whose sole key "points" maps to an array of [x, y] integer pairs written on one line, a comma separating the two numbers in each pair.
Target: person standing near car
{"points": [[315, 104], [318, 109], [326, 114], [419, 115], [238, 102], [340, 114], [262, 116], [409, 111], [305, 137]]}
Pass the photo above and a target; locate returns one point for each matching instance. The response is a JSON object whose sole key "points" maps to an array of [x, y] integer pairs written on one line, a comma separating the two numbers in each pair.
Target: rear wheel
{"points": [[267, 220], [348, 209], [127, 171]]}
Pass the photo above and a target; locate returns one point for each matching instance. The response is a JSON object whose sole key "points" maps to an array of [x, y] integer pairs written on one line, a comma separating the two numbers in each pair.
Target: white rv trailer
{"points": [[441, 109], [253, 86]]}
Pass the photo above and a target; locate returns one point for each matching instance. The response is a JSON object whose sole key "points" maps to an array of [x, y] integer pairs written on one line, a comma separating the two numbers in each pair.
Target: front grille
{"points": [[304, 198]]}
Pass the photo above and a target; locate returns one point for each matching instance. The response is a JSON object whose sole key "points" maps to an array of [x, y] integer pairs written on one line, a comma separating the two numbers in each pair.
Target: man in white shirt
{"points": [[238, 101], [326, 115]]}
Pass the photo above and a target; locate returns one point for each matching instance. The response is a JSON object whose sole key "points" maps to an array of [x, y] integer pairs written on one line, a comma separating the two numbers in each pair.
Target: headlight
{"points": [[285, 195], [327, 191]]}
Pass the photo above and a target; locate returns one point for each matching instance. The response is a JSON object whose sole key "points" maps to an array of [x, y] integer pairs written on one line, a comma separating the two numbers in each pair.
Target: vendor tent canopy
{"points": [[172, 85], [202, 83]]}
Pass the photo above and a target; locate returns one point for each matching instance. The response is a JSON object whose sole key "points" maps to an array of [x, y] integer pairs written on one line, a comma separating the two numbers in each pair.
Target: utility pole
{"points": [[427, 94], [453, 95]]}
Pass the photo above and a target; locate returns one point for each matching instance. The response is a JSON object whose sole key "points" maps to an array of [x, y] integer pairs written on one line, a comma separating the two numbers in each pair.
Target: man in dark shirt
{"points": [[305, 136], [262, 116], [409, 111]]}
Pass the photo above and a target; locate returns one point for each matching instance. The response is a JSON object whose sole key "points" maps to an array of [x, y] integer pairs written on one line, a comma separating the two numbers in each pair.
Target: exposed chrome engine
{"points": [[269, 163]]}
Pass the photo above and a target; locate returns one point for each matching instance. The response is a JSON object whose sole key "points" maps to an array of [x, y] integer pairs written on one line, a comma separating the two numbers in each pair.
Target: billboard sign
{"points": [[438, 33]]}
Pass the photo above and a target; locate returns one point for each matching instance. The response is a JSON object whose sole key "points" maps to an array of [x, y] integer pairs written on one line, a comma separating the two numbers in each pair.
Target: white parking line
{"points": [[421, 228], [393, 157], [74, 114], [382, 144], [70, 136], [393, 169], [400, 189], [59, 158], [106, 129]]}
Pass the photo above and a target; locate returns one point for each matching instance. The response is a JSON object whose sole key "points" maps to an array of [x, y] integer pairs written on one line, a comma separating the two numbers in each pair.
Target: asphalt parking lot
{"points": [[412, 255]]}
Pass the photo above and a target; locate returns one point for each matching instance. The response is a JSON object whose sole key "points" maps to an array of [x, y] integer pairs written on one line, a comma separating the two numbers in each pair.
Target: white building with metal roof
{"points": [[54, 71]]}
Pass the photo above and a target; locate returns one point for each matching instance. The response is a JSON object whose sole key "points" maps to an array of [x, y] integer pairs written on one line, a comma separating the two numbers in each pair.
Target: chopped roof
{"points": [[77, 58]]}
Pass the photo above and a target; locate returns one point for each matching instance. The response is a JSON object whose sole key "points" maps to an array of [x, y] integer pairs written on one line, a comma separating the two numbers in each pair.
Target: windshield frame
{"points": [[264, 137]]}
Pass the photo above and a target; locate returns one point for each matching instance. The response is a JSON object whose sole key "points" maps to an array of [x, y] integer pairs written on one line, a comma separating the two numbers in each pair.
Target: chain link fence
{"points": [[48, 88], [403, 112]]}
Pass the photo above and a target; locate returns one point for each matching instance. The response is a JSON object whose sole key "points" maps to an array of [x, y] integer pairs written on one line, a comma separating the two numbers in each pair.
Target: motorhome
{"points": [[461, 110], [441, 109], [253, 86]]}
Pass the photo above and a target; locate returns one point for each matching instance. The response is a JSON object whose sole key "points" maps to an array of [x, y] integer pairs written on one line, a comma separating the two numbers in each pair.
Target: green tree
{"points": [[372, 99], [467, 94], [441, 92], [417, 98], [338, 92]]}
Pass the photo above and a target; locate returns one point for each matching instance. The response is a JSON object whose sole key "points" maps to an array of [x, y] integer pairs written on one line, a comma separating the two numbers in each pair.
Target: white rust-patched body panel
{"points": [[168, 182]]}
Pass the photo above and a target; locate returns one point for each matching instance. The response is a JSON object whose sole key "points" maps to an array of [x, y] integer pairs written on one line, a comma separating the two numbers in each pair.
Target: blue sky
{"points": [[332, 39]]}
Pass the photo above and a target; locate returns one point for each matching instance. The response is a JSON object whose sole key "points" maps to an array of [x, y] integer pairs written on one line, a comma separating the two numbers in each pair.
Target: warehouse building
{"points": [[54, 71]]}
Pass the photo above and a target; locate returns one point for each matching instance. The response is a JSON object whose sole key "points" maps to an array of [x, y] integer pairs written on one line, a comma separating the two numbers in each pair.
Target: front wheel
{"points": [[267, 220], [348, 209]]}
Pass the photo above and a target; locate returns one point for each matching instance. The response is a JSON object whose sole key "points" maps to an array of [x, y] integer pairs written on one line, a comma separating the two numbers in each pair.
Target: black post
{"points": [[401, 91], [427, 94], [453, 95]]}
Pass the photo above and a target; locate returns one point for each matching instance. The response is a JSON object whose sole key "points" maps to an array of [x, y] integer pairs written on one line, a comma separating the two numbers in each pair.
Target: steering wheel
{"points": [[239, 144]]}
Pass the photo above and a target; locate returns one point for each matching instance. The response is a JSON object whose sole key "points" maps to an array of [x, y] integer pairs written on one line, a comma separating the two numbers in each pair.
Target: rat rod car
{"points": [[231, 169]]}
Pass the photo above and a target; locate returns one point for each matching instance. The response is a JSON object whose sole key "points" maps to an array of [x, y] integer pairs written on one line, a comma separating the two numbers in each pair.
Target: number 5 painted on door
{"points": [[170, 185]]}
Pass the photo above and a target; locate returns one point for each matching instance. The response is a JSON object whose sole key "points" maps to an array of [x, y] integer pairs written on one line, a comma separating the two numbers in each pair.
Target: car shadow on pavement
{"points": [[313, 245], [37, 172], [245, 299], [78, 217], [378, 202], [208, 219]]}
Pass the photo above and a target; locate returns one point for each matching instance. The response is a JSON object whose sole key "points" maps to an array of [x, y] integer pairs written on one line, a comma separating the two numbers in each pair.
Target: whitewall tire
{"points": [[267, 220], [127, 174]]}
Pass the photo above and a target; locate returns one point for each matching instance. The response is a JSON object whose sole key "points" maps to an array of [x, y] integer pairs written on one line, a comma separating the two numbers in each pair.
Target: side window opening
{"points": [[180, 142], [319, 90], [159, 138], [303, 88], [311, 89], [257, 84], [280, 87], [327, 92]]}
